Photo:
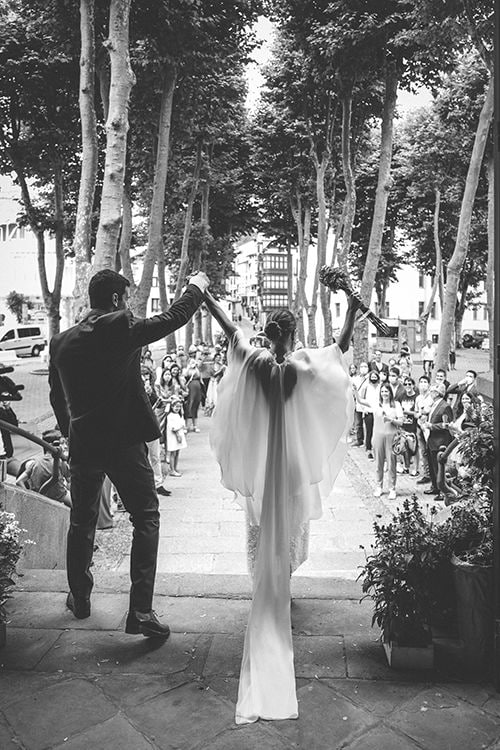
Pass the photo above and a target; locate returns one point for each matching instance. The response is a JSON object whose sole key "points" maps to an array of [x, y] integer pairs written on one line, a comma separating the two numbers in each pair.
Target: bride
{"points": [[279, 434]]}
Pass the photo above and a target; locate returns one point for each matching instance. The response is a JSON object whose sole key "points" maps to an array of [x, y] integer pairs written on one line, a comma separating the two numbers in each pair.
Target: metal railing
{"points": [[55, 452]]}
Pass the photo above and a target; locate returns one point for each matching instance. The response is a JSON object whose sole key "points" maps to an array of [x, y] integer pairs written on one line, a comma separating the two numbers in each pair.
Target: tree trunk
{"points": [[289, 276], [361, 343], [349, 210], [188, 334], [126, 237], [52, 300], [424, 318], [324, 294], [312, 337], [302, 218], [122, 80], [88, 172], [457, 260], [184, 260], [490, 267], [207, 327], [155, 232]]}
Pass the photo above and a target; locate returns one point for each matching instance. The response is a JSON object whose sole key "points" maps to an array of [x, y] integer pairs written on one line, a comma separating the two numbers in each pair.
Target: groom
{"points": [[98, 398]]}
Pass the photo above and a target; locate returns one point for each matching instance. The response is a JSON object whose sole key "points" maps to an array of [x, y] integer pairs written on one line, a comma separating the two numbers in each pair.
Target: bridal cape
{"points": [[279, 435]]}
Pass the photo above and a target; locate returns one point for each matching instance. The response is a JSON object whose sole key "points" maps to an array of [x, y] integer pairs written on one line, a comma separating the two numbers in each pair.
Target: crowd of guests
{"points": [[183, 383], [402, 420]]}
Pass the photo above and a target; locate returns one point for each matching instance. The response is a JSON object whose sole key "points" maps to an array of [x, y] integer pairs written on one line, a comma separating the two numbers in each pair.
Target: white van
{"points": [[23, 340]]}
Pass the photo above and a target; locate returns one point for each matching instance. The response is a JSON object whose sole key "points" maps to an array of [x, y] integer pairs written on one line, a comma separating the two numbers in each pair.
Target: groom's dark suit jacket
{"points": [[96, 389]]}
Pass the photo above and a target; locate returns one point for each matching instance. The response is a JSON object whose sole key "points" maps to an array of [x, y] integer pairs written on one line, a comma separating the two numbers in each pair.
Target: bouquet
{"points": [[336, 279]]}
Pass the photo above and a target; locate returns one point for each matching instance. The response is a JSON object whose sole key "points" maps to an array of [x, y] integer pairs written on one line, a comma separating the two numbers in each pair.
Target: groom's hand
{"points": [[200, 280]]}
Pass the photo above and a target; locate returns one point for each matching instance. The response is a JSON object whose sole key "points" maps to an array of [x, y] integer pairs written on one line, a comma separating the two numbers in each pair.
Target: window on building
{"points": [[155, 305], [485, 313], [433, 311], [337, 309], [420, 308], [154, 281], [474, 313], [421, 279]]}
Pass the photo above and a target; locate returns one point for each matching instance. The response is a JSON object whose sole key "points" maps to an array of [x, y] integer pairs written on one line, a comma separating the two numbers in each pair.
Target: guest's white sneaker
{"points": [[392, 495], [378, 492]]}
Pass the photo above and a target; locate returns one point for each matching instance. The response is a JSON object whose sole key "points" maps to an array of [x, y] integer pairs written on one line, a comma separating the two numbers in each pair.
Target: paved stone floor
{"points": [[73, 684]]}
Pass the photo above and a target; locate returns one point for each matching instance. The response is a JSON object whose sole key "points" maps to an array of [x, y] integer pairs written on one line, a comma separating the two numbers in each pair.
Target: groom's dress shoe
{"points": [[146, 623], [79, 605]]}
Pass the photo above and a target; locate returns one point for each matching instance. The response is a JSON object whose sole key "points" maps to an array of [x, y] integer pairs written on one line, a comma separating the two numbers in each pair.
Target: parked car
{"points": [[23, 340], [473, 339]]}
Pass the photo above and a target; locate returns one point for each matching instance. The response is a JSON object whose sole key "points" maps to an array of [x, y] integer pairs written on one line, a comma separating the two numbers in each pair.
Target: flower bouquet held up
{"points": [[336, 279]]}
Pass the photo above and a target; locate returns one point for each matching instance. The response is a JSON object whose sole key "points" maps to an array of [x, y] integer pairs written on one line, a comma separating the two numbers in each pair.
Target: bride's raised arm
{"points": [[345, 335], [220, 316]]}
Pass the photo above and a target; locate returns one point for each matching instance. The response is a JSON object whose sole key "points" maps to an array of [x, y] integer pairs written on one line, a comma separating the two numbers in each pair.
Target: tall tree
{"points": [[88, 176], [38, 128], [121, 82]]}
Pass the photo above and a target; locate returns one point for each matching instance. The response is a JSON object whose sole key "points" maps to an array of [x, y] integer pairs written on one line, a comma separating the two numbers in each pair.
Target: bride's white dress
{"points": [[279, 434]]}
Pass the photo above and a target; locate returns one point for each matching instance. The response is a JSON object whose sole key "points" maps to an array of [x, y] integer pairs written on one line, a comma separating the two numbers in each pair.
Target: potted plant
{"points": [[10, 551], [470, 535], [397, 575], [469, 532]]}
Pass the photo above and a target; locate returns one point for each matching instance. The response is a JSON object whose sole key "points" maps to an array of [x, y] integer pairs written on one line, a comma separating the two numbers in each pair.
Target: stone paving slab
{"points": [[182, 719], [104, 652], [47, 717], [446, 721], [25, 648], [48, 610], [117, 732]]}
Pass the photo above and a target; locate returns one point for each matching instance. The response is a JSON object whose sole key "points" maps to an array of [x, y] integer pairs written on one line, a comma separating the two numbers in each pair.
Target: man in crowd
{"points": [[377, 364], [428, 357], [38, 472], [99, 400], [440, 377], [398, 389], [435, 427]]}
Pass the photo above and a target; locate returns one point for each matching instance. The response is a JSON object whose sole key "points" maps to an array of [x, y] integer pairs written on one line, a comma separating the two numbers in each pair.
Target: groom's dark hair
{"points": [[103, 285]]}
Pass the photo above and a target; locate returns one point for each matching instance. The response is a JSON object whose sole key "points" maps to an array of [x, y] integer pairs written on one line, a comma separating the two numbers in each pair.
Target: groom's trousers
{"points": [[131, 473]]}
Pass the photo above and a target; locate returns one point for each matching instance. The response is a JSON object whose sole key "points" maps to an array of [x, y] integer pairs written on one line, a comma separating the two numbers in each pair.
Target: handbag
{"points": [[399, 443]]}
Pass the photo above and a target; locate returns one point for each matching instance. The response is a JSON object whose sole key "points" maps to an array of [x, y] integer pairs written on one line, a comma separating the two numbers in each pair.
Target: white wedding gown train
{"points": [[280, 448]]}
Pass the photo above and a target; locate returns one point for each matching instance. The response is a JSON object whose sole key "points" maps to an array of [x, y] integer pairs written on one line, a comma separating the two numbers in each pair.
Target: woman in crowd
{"points": [[387, 418], [165, 364], [192, 379], [217, 372], [175, 436]]}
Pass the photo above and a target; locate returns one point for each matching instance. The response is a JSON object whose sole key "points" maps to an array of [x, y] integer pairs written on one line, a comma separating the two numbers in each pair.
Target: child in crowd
{"points": [[175, 435]]}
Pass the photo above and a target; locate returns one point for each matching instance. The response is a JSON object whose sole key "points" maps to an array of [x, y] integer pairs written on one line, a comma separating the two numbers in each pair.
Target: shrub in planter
{"points": [[10, 550], [469, 533], [397, 574]]}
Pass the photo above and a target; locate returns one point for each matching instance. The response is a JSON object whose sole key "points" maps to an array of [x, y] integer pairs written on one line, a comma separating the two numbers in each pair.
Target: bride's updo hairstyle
{"points": [[279, 325]]}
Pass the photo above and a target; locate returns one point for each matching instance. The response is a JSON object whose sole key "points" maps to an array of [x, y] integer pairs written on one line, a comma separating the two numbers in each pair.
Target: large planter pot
{"points": [[409, 657], [474, 589]]}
